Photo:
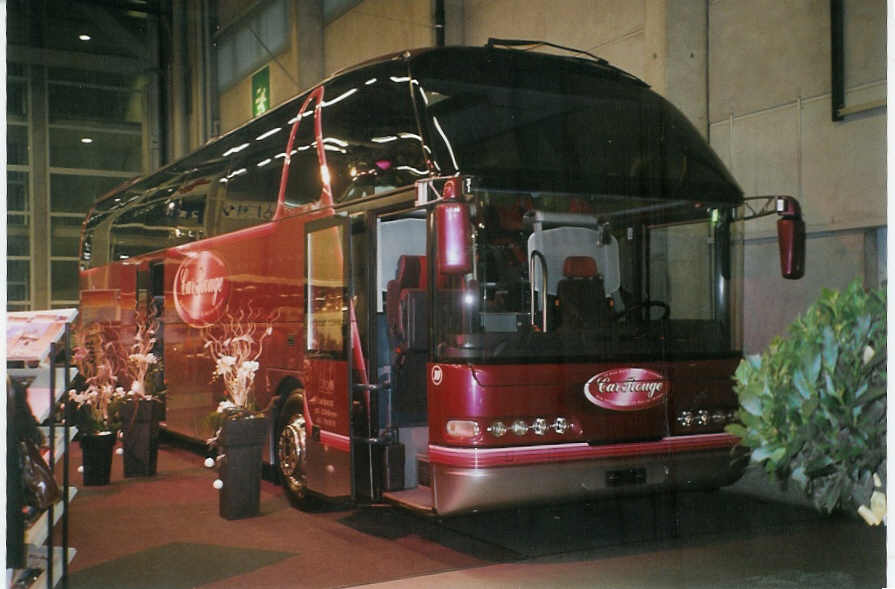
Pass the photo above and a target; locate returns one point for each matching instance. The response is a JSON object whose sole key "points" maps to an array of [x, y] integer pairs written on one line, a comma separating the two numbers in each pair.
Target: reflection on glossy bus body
{"points": [[494, 277]]}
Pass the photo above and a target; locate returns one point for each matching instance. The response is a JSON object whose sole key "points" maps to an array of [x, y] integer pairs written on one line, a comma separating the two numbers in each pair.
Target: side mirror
{"points": [[791, 238], [454, 253]]}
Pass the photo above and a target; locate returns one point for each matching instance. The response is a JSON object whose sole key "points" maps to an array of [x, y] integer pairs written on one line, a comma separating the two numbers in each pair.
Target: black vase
{"points": [[140, 428], [241, 441], [96, 450]]}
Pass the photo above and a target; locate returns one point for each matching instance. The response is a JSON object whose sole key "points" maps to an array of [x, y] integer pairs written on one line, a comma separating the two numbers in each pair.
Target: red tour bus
{"points": [[494, 277]]}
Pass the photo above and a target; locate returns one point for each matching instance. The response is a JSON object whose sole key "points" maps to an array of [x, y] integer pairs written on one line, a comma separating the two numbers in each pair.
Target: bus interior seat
{"points": [[410, 275], [580, 294], [407, 312]]}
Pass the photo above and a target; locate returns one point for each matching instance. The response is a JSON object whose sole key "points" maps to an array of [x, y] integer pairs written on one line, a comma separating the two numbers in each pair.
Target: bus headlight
{"points": [[462, 428], [539, 427], [498, 429], [519, 427], [561, 425]]}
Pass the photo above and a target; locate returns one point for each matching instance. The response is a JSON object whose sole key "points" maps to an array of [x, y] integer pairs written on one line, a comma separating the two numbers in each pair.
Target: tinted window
{"points": [[370, 133], [158, 224], [536, 122], [303, 184], [249, 197]]}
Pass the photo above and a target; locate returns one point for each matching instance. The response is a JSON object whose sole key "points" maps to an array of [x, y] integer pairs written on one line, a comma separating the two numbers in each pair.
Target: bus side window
{"points": [[370, 134], [249, 197], [303, 185]]}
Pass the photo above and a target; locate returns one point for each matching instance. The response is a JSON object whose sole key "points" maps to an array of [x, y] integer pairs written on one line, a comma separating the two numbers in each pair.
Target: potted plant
{"points": [[813, 405], [141, 409], [235, 345], [96, 396]]}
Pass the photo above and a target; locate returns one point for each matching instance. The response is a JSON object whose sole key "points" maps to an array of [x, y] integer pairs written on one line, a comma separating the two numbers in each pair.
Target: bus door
{"points": [[347, 393], [329, 397], [401, 303], [390, 348]]}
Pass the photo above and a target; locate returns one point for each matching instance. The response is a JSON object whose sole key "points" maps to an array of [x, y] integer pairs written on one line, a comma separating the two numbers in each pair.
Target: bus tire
{"points": [[292, 449]]}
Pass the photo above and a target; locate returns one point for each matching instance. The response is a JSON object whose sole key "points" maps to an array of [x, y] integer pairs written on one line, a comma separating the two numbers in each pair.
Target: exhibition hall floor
{"points": [[165, 532]]}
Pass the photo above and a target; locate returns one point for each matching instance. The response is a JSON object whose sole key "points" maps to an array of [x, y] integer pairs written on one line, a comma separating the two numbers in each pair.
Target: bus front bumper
{"points": [[472, 479]]}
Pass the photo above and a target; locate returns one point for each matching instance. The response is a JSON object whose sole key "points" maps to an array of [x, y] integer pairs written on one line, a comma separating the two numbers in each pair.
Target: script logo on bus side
{"points": [[626, 389], [201, 289]]}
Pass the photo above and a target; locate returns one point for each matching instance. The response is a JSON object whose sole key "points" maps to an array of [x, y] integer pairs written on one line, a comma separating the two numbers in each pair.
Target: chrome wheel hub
{"points": [[292, 450]]}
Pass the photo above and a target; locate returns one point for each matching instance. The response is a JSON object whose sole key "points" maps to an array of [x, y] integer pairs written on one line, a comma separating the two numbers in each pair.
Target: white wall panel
{"points": [[772, 303], [627, 53], [374, 28], [509, 19], [595, 22], [844, 170], [865, 41], [765, 53], [765, 153]]}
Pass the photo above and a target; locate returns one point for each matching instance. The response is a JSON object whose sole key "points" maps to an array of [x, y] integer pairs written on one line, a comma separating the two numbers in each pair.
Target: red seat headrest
{"points": [[579, 267], [411, 272]]}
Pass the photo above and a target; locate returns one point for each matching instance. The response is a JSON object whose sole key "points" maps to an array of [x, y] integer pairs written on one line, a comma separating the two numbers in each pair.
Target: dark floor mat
{"points": [[175, 566]]}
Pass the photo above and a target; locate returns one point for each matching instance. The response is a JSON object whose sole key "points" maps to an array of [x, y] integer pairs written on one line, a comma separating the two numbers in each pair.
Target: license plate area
{"points": [[625, 477]]}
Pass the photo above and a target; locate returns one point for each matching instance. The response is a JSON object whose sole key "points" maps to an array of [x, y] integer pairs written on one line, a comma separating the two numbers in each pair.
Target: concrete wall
{"points": [[770, 112], [370, 29], [374, 28], [630, 34], [235, 103]]}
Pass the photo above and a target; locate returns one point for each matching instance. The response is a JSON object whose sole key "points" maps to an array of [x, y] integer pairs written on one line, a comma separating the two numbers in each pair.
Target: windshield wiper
{"points": [[494, 42]]}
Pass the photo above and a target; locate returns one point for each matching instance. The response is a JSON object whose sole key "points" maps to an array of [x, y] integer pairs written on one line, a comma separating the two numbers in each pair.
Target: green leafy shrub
{"points": [[813, 406]]}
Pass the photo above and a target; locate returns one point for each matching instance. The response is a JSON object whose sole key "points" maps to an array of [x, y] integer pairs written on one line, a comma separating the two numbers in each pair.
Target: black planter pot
{"points": [[140, 428], [96, 450], [241, 442]]}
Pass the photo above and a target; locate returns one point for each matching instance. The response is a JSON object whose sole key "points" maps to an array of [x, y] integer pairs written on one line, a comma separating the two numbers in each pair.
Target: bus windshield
{"points": [[587, 277], [535, 122], [602, 223]]}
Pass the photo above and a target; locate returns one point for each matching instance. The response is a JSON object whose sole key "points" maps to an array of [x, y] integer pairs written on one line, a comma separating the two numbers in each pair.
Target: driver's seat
{"points": [[580, 296]]}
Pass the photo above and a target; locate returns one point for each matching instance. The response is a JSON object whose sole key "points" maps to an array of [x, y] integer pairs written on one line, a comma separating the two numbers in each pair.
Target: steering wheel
{"points": [[645, 304]]}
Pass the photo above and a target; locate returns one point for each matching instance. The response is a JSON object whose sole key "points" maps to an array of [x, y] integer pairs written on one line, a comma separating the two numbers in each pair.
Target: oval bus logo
{"points": [[626, 389], [201, 289]]}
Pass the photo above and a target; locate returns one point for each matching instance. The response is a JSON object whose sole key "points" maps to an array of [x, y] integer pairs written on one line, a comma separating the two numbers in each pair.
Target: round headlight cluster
{"points": [[703, 417], [519, 427]]}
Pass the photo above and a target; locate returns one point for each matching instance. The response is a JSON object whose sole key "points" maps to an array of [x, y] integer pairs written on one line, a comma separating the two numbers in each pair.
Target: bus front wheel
{"points": [[292, 450]]}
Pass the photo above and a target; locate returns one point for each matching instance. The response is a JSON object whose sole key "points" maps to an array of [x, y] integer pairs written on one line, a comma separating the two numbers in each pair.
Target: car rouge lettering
{"points": [[201, 289], [626, 389], [201, 286]]}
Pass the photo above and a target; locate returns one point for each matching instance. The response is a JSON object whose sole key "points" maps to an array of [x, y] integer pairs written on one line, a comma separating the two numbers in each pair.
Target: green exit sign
{"points": [[260, 91]]}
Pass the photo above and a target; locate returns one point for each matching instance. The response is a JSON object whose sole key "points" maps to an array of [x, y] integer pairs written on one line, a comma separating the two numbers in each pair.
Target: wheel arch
{"points": [[288, 388]]}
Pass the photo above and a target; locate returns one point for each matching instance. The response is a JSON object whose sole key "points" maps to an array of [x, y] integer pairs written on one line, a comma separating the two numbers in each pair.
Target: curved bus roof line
{"points": [[406, 55]]}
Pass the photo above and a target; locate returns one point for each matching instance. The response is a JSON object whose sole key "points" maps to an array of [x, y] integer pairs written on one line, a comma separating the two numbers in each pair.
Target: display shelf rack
{"points": [[39, 388], [36, 341], [36, 534], [60, 442], [37, 569]]}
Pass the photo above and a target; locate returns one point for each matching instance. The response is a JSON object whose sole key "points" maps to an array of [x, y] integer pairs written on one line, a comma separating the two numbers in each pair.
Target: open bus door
{"points": [[343, 454]]}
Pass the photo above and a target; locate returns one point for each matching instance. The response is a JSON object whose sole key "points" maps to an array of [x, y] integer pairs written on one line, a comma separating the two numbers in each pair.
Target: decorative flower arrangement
{"points": [[235, 345], [141, 363], [103, 364], [98, 395]]}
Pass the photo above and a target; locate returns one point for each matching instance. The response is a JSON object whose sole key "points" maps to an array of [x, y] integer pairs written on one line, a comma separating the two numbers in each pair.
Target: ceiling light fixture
{"points": [[86, 140], [84, 37]]}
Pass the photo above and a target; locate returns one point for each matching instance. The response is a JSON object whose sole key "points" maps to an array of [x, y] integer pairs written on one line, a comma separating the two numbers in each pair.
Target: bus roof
{"points": [[410, 56]]}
